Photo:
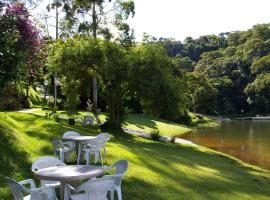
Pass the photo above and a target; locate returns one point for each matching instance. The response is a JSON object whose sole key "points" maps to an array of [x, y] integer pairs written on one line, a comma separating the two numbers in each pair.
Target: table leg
{"points": [[63, 196], [78, 153], [64, 191]]}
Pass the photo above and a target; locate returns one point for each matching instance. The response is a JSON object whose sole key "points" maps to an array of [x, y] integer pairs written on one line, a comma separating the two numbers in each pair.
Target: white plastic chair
{"points": [[42, 193], [72, 133], [63, 148], [94, 189], [44, 162], [121, 168], [106, 137], [93, 147]]}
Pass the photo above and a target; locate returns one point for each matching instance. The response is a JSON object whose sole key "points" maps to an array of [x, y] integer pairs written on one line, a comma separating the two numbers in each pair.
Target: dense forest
{"points": [[234, 68]]}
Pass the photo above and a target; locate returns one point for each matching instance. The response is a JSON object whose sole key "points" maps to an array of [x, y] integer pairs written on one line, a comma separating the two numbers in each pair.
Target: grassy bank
{"points": [[146, 123], [157, 170]]}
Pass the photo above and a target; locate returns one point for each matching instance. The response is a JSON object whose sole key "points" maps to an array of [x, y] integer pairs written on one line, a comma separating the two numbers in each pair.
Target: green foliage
{"points": [[261, 65], [258, 92], [34, 97], [70, 90], [203, 94], [11, 98], [230, 61], [185, 63], [97, 23], [165, 98], [108, 60], [155, 135], [9, 56]]}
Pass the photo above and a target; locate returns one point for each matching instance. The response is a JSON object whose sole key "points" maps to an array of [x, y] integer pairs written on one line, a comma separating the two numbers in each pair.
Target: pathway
{"points": [[162, 138]]}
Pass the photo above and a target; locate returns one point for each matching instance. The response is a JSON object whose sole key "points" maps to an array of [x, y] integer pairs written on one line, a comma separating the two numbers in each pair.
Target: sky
{"points": [[179, 19]]}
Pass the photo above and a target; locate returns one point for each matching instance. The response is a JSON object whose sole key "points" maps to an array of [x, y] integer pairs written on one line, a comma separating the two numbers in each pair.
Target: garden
{"points": [[92, 79]]}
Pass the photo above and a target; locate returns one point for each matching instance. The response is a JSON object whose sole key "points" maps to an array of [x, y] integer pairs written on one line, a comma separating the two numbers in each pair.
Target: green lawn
{"points": [[157, 170], [145, 123]]}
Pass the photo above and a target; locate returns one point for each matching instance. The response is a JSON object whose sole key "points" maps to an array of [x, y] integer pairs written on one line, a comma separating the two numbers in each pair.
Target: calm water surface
{"points": [[246, 140]]}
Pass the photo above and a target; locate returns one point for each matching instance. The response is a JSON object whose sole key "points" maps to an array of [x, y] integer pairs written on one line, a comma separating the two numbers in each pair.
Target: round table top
{"points": [[79, 138], [69, 173]]}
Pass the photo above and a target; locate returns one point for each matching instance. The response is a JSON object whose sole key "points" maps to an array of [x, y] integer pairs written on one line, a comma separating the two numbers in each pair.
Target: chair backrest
{"points": [[104, 136], [97, 189], [57, 144], [46, 161], [16, 189], [70, 133], [96, 143], [121, 168]]}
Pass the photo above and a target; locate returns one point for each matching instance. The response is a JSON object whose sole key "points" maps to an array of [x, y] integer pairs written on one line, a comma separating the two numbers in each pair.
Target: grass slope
{"points": [[157, 170], [146, 123]]}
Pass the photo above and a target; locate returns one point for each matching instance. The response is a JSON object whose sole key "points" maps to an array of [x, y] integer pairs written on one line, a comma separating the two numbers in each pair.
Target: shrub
{"points": [[155, 135], [172, 140], [11, 99]]}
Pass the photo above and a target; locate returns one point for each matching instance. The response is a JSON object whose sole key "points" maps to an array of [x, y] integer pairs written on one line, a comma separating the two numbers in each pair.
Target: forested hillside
{"points": [[231, 70]]}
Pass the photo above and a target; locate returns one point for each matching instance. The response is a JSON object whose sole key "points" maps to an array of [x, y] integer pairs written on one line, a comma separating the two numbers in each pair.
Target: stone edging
{"points": [[162, 138]]}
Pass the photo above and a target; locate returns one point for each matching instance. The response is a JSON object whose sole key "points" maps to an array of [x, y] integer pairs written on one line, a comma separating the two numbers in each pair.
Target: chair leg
{"points": [[79, 154], [112, 195], [96, 157], [105, 153], [87, 158], [119, 193], [62, 156], [100, 157]]}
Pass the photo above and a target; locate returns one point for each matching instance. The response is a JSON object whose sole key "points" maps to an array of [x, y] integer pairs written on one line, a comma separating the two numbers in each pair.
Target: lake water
{"points": [[246, 140]]}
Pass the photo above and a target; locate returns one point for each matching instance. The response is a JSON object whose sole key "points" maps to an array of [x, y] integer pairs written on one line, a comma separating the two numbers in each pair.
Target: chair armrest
{"points": [[70, 187], [49, 190], [28, 181], [113, 175], [40, 189], [68, 144], [107, 168]]}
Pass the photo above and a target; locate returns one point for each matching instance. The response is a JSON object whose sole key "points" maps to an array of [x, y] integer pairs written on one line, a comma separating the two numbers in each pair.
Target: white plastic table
{"points": [[68, 174], [78, 140]]}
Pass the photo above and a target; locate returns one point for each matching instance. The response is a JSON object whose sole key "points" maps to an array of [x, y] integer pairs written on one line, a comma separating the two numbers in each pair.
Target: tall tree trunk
{"points": [[94, 18], [54, 76]]}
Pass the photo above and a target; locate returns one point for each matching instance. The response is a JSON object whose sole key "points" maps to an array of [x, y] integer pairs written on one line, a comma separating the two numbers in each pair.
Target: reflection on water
{"points": [[246, 140]]}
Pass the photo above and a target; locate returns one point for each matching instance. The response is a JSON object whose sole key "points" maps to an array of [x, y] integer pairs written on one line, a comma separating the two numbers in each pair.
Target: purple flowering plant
{"points": [[30, 41]]}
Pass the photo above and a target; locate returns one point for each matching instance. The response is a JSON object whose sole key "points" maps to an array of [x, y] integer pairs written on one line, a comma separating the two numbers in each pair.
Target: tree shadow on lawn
{"points": [[47, 129], [14, 161], [141, 121], [226, 176]]}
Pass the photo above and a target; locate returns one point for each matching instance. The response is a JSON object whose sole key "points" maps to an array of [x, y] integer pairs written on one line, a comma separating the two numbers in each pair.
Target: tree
{"points": [[89, 17], [203, 94], [258, 92], [21, 51], [261, 65], [160, 92], [110, 62]]}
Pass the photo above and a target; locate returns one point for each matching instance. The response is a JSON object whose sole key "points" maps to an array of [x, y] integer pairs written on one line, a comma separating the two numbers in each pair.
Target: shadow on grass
{"points": [[223, 177], [176, 172], [14, 161], [141, 121]]}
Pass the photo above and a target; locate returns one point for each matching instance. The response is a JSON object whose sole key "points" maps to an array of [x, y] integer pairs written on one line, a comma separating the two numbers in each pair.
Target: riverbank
{"points": [[157, 170]]}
